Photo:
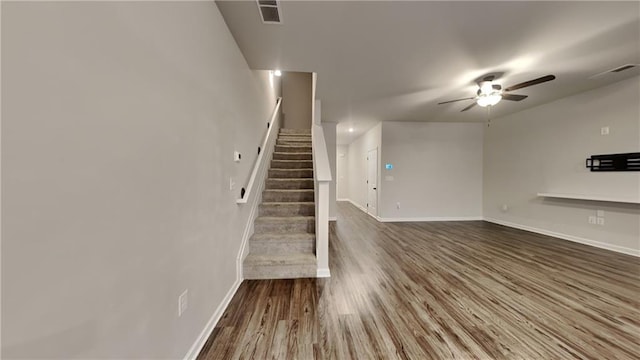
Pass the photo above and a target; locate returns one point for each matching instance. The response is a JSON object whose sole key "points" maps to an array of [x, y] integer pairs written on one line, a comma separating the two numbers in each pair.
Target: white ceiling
{"points": [[394, 61]]}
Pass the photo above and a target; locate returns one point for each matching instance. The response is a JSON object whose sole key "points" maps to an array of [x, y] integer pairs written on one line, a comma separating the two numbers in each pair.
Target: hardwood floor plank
{"points": [[440, 290]]}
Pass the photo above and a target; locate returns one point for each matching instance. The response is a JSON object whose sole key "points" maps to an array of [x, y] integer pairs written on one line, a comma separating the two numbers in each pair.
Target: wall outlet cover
{"points": [[604, 130], [592, 220], [600, 213], [600, 221]]}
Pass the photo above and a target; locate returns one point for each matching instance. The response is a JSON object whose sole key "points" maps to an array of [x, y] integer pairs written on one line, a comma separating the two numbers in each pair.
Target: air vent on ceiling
{"points": [[623, 68], [270, 11], [616, 70]]}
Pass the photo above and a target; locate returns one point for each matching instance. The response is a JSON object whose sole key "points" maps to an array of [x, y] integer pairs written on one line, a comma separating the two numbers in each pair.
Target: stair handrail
{"points": [[244, 197]]}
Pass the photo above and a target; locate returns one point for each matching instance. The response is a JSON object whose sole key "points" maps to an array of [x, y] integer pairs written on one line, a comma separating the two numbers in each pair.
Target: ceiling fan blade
{"points": [[468, 107], [450, 101], [514, 97], [489, 78], [530, 83]]}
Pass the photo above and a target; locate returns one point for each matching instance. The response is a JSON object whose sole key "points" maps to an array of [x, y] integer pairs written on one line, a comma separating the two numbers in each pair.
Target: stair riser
{"points": [[289, 184], [290, 174], [282, 247], [287, 209], [284, 196], [288, 227], [295, 149], [279, 272], [295, 131], [292, 156], [302, 164]]}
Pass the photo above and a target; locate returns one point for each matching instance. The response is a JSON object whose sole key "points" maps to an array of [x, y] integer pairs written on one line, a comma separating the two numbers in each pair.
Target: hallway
{"points": [[440, 290]]}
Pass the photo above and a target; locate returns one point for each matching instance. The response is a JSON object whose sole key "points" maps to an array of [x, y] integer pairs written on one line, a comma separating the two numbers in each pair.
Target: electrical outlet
{"points": [[600, 213], [505, 207], [398, 206], [600, 221], [183, 302], [592, 220], [604, 130]]}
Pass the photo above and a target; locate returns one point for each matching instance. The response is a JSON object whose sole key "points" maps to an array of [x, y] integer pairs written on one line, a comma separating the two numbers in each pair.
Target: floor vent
{"points": [[270, 11], [616, 70]]}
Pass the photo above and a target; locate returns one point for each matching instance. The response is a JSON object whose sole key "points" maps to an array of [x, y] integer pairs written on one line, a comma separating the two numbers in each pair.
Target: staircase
{"points": [[283, 243]]}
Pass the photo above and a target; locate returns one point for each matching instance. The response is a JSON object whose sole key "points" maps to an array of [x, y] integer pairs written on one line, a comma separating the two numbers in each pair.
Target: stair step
{"points": [[273, 266], [295, 139], [282, 243], [295, 131], [292, 143], [289, 184], [295, 136], [287, 209], [290, 173], [285, 195], [293, 148], [285, 224], [291, 164], [292, 156]]}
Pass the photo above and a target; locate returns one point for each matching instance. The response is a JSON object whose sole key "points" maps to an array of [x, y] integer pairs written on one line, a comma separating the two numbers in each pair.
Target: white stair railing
{"points": [[322, 178]]}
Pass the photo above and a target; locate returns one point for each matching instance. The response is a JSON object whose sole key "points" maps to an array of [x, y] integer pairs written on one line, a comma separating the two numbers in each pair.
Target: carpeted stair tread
{"points": [[275, 259]]}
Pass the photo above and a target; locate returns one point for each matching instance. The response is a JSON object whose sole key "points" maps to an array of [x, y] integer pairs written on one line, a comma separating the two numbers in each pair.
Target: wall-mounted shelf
{"points": [[590, 198]]}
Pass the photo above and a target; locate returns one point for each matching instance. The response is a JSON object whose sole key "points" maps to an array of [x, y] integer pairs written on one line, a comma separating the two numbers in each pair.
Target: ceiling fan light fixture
{"points": [[489, 99], [486, 88]]}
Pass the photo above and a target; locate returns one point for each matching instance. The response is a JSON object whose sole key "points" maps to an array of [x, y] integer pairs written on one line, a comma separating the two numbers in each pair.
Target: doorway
{"points": [[372, 182]]}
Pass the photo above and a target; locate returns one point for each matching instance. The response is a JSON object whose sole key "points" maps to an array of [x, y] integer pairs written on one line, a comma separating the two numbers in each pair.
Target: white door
{"points": [[372, 182]]}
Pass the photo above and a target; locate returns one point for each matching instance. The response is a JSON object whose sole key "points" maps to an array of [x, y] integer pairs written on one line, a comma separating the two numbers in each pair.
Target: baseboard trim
{"points": [[213, 321], [323, 273], [342, 200], [576, 239], [357, 205], [433, 218]]}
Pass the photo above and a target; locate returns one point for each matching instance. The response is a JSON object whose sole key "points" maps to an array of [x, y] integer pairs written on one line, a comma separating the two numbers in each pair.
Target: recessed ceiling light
{"points": [[277, 73], [350, 129]]}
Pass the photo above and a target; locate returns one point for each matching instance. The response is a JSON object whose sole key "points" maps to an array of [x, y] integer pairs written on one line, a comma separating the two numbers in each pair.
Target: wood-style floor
{"points": [[445, 290]]}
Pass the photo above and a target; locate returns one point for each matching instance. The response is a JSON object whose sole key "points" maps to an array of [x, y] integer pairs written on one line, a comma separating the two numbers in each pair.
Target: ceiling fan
{"points": [[490, 94]]}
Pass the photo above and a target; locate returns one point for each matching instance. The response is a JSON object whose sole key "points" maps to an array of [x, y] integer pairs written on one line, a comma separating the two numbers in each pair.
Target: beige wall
{"points": [[342, 172], [437, 171], [297, 99], [119, 122], [543, 149]]}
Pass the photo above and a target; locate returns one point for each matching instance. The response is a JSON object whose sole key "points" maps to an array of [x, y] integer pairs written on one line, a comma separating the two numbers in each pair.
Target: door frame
{"points": [[377, 178]]}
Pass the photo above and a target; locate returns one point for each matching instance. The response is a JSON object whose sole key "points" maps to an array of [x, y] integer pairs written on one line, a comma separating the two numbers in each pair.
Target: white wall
{"points": [[543, 149], [342, 172], [297, 99], [329, 130], [357, 156], [119, 122], [437, 171]]}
